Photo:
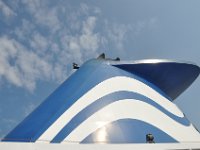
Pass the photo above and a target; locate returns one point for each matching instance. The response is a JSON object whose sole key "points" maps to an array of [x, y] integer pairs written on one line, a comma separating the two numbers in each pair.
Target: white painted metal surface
{"points": [[45, 146], [119, 83], [135, 109]]}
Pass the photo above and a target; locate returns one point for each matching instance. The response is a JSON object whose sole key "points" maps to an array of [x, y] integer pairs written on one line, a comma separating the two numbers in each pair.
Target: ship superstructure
{"points": [[114, 102]]}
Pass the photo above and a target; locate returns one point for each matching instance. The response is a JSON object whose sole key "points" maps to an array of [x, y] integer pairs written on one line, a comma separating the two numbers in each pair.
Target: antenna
{"points": [[75, 66], [103, 56]]}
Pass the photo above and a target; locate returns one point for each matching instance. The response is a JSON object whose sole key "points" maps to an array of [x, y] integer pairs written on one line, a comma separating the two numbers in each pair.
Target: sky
{"points": [[40, 39]]}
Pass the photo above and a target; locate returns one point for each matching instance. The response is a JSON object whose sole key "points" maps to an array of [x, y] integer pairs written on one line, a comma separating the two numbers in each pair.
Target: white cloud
{"points": [[20, 66], [83, 44], [25, 30], [6, 10], [29, 109], [143, 25], [43, 14], [34, 53], [41, 58], [89, 41], [9, 121], [39, 43], [6, 125], [117, 34]]}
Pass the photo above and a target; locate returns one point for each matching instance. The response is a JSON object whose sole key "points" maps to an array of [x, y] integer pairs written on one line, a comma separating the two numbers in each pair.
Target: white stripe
{"points": [[133, 109], [114, 84]]}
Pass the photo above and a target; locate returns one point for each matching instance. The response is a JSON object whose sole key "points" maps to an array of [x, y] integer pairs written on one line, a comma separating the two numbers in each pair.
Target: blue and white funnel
{"points": [[107, 101]]}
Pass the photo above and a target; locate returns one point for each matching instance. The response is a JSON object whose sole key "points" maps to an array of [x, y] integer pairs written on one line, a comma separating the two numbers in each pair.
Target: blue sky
{"points": [[39, 41]]}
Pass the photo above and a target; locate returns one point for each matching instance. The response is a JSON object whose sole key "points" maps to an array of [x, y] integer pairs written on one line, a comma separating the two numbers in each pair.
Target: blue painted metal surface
{"points": [[92, 73], [129, 131], [172, 77], [106, 100]]}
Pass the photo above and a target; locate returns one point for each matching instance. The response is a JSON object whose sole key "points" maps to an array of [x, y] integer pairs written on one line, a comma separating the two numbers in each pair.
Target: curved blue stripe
{"points": [[129, 131], [102, 102], [172, 77], [96, 72], [89, 75]]}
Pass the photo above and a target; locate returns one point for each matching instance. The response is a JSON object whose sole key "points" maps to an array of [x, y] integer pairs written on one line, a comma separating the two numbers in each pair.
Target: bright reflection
{"points": [[101, 135], [152, 61]]}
